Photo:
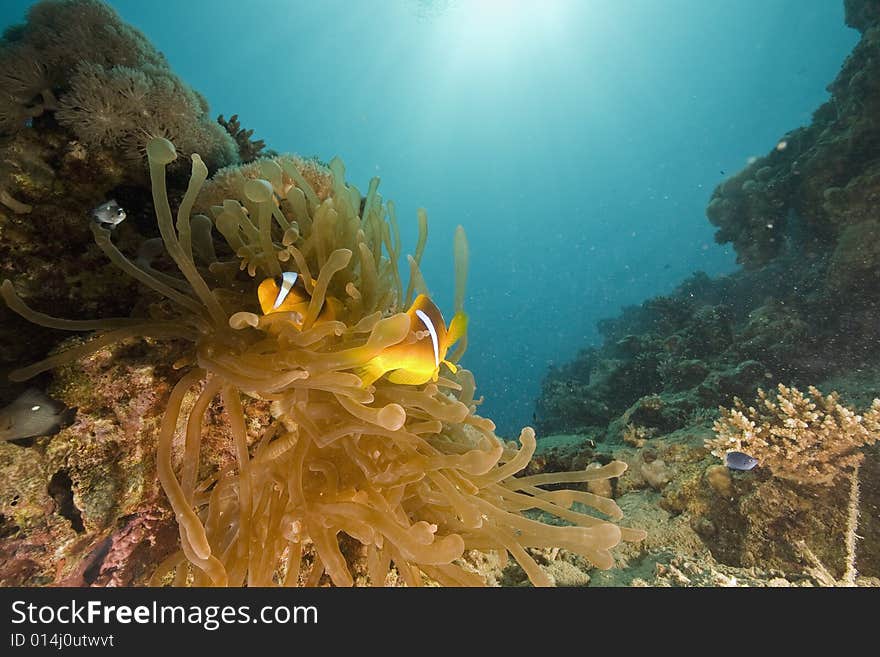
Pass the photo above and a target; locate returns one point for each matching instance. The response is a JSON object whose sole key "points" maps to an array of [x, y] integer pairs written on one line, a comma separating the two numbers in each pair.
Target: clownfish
{"points": [[287, 294], [417, 362]]}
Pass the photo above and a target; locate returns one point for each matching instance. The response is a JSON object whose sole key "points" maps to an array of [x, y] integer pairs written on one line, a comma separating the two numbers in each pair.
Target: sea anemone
{"points": [[409, 473]]}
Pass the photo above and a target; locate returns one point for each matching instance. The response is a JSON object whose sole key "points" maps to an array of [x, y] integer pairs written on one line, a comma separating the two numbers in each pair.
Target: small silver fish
{"points": [[110, 213], [739, 461], [33, 414]]}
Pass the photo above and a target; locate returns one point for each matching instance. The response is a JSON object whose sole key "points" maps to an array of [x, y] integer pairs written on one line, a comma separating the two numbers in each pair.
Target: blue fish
{"points": [[739, 461]]}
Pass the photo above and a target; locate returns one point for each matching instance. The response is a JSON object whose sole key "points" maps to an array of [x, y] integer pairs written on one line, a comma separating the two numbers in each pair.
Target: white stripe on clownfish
{"points": [[435, 341], [288, 279]]}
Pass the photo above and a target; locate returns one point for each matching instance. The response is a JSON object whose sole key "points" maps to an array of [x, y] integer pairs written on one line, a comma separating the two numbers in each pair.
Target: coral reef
{"points": [[731, 531], [818, 180], [120, 107], [803, 311], [387, 483], [277, 465], [798, 438], [76, 62], [93, 483]]}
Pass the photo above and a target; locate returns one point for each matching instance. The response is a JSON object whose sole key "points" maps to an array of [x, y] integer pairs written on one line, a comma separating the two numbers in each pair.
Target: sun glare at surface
{"points": [[493, 31]]}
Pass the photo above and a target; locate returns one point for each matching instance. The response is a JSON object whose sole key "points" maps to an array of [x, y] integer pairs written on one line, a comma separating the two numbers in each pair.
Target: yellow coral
{"points": [[412, 473], [804, 439]]}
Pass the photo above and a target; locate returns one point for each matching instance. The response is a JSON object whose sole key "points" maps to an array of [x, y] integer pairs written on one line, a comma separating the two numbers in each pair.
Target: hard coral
{"points": [[409, 472], [248, 149], [797, 438]]}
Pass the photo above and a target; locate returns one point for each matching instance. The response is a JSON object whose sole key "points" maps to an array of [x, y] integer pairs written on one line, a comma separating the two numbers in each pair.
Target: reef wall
{"points": [[802, 311]]}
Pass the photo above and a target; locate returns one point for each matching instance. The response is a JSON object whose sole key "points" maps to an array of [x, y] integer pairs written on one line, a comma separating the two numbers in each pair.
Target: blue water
{"points": [[577, 141]]}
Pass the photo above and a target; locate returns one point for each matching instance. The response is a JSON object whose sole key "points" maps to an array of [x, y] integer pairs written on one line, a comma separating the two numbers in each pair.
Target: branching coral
{"points": [[248, 149], [410, 472], [804, 439]]}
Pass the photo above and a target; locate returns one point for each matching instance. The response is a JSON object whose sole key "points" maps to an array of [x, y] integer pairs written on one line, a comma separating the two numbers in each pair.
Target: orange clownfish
{"points": [[413, 363], [287, 294]]}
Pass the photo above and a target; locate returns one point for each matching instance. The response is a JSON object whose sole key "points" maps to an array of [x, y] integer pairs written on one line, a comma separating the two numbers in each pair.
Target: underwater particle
{"points": [[739, 461], [109, 213], [32, 414]]}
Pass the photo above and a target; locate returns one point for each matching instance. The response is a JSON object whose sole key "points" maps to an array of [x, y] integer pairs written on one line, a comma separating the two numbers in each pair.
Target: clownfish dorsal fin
{"points": [[285, 284], [457, 328]]}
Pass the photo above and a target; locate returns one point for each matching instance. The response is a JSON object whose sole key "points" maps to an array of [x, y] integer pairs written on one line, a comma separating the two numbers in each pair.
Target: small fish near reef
{"points": [[33, 414], [739, 461], [287, 294], [109, 213], [416, 362]]}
